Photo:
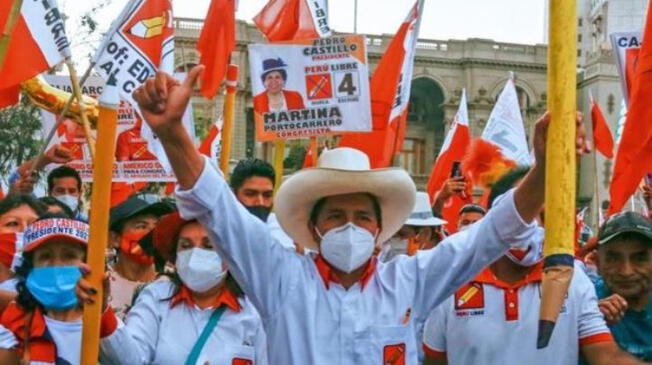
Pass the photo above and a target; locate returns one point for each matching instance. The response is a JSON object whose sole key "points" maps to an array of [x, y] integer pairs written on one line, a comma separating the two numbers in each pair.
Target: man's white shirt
{"points": [[310, 320]]}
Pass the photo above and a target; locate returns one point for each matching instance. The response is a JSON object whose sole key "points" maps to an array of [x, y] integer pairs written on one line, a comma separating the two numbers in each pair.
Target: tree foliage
{"points": [[20, 135]]}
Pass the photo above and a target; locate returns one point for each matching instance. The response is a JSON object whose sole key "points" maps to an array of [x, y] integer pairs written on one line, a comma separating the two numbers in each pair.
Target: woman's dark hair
{"points": [[49, 201], [13, 201], [25, 299], [506, 182]]}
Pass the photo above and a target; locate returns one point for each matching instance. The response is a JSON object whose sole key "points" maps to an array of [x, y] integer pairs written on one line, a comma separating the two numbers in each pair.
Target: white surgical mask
{"points": [[71, 201], [200, 269], [347, 247], [531, 254]]}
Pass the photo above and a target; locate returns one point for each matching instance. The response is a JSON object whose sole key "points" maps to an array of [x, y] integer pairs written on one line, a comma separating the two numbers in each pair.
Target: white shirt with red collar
{"points": [[310, 319], [488, 321], [162, 327]]}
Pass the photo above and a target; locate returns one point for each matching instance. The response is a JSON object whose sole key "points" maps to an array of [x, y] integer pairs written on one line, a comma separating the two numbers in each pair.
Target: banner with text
{"points": [[626, 46], [310, 88], [134, 161]]}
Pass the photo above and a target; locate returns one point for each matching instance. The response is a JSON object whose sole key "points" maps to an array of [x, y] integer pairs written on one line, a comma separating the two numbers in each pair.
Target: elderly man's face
{"points": [[626, 266], [339, 210]]}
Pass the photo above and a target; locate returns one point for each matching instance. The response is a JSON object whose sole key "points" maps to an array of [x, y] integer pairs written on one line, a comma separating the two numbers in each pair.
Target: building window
{"points": [[412, 156], [579, 22], [579, 38], [579, 53]]}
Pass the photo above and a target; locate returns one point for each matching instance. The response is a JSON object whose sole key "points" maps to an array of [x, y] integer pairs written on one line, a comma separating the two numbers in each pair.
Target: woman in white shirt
{"points": [[200, 316], [43, 325]]}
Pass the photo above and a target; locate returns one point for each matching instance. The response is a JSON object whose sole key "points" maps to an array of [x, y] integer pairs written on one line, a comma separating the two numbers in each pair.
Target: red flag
{"points": [[285, 20], [602, 139], [210, 147], [453, 149], [216, 42], [390, 93], [34, 46], [308, 160], [634, 156]]}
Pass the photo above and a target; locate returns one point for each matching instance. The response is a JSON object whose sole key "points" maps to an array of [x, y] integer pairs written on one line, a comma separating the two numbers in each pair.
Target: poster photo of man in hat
{"points": [[275, 97]]}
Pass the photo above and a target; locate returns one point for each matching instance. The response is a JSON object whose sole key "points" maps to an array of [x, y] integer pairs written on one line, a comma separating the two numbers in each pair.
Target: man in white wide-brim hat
{"points": [[339, 305], [421, 231]]}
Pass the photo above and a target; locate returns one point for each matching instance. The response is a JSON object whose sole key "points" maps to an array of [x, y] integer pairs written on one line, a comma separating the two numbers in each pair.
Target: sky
{"points": [[516, 21]]}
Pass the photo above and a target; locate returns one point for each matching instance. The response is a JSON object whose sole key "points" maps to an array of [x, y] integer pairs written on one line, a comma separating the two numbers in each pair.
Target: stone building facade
{"points": [[442, 69]]}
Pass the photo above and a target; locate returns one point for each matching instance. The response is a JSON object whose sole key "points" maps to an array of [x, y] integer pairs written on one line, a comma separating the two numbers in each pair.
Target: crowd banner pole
{"points": [[560, 165], [279, 156], [229, 116], [99, 219], [76, 90], [314, 149], [596, 186], [14, 13]]}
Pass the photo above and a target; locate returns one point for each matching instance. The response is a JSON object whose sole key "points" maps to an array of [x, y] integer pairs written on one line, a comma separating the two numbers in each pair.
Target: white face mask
{"points": [[71, 201], [347, 247], [200, 269], [530, 255], [398, 245]]}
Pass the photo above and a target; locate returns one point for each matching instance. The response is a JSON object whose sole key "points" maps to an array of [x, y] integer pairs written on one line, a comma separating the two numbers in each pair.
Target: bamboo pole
{"points": [[560, 166], [76, 90], [279, 156], [12, 18], [99, 220], [229, 116]]}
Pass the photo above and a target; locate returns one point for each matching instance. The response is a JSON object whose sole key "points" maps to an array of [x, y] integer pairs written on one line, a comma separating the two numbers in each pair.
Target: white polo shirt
{"points": [[312, 320], [491, 322], [163, 332]]}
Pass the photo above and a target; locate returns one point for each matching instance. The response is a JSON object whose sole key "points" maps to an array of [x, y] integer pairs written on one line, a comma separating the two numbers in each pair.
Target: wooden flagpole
{"points": [[99, 220], [279, 156], [314, 149], [229, 116], [560, 166], [76, 89], [14, 14]]}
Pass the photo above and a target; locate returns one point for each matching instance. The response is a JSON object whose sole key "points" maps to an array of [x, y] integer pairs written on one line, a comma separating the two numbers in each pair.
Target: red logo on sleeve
{"points": [[394, 354], [239, 361]]}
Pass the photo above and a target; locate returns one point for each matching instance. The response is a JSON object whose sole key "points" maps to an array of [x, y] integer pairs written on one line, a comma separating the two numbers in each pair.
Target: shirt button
{"points": [[511, 305]]}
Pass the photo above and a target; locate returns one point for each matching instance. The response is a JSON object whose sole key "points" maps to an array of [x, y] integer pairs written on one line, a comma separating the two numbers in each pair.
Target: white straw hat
{"points": [[422, 213], [343, 171]]}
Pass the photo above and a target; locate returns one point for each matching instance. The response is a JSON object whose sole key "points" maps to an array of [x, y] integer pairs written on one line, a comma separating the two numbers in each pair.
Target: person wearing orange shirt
{"points": [[275, 98]]}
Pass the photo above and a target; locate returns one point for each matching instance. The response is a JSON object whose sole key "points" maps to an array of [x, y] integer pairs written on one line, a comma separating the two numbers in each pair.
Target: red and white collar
{"points": [[328, 275], [226, 297]]}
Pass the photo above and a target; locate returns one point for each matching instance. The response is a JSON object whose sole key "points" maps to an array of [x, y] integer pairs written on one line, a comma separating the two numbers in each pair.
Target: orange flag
{"points": [[602, 138], [284, 20], [634, 156], [216, 42], [390, 94]]}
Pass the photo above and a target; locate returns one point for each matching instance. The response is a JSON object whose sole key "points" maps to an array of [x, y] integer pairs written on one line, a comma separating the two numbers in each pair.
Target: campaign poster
{"points": [[310, 88], [134, 160], [626, 46]]}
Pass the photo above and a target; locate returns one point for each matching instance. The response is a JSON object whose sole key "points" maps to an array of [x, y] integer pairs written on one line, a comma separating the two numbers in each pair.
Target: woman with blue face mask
{"points": [[44, 325], [199, 316]]}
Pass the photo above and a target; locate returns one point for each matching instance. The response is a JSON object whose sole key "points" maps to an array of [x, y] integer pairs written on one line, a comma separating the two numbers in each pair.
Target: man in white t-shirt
{"points": [[494, 318]]}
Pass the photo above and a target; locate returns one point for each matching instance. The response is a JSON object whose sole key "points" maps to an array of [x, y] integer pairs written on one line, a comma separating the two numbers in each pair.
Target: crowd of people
{"points": [[341, 264]]}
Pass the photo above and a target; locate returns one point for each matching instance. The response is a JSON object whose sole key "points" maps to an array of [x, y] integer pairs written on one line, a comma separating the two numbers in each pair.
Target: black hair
{"points": [[25, 299], [506, 182], [49, 201], [61, 172], [251, 167], [319, 205], [284, 75], [473, 208], [13, 201]]}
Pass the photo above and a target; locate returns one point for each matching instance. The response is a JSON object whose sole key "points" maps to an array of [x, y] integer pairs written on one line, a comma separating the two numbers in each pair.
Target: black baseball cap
{"points": [[141, 203], [624, 223]]}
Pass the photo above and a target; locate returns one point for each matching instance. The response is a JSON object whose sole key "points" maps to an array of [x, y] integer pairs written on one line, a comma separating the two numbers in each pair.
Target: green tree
{"points": [[20, 135]]}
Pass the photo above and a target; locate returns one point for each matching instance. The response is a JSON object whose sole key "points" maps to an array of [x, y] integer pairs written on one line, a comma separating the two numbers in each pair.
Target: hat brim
{"points": [[64, 238], [644, 233], [166, 231], [430, 222], [297, 196], [157, 209]]}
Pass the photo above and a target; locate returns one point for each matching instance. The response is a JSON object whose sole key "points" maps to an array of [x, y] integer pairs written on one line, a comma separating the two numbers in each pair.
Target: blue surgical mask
{"points": [[54, 287]]}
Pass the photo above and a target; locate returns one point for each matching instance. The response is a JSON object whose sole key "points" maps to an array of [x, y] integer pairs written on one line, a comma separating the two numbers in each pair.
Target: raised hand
{"points": [[541, 137], [163, 100]]}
